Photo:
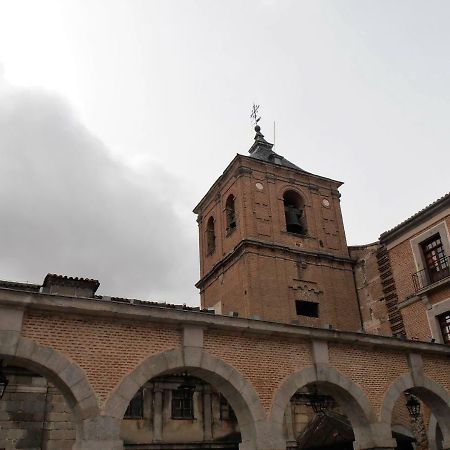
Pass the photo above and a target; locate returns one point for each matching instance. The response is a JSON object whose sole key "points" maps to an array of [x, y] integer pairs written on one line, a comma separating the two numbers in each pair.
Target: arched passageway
{"points": [[432, 394], [199, 365], [350, 404], [60, 380]]}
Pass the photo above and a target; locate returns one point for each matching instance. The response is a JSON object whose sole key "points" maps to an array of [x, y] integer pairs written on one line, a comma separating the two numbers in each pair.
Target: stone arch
{"points": [[295, 188], [427, 390], [65, 374], [350, 397], [432, 433], [239, 392]]}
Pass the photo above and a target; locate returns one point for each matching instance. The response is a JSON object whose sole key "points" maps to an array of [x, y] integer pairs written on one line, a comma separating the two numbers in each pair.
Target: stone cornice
{"points": [[178, 319], [430, 211], [245, 243], [243, 159]]}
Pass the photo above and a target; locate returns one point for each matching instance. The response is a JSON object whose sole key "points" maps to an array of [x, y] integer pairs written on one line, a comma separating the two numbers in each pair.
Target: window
{"points": [[210, 236], [294, 213], [135, 408], [308, 309], [182, 403], [436, 263], [444, 322], [230, 214], [226, 411]]}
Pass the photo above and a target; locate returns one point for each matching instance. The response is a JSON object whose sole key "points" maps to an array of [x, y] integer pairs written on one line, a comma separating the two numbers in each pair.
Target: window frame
{"points": [[230, 213], [307, 304], [211, 236], [435, 258], [444, 326], [416, 242], [186, 396]]}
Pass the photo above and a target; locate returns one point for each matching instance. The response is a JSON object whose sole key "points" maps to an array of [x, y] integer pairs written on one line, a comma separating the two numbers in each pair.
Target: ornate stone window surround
{"points": [[416, 242], [433, 311], [419, 259]]}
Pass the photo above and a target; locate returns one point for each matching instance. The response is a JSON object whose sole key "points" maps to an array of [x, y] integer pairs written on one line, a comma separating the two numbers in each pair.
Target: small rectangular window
{"points": [[308, 309], [183, 404], [135, 408]]}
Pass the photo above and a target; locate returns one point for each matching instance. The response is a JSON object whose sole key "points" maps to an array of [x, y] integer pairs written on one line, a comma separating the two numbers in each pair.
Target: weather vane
{"points": [[254, 115]]}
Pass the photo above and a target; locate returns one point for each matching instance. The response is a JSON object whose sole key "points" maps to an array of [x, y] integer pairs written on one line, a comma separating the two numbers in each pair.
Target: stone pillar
{"points": [[158, 414], [99, 433], [147, 406], [289, 425], [207, 414]]}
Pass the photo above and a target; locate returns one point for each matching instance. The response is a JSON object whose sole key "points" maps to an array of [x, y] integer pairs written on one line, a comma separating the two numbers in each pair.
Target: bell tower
{"points": [[272, 244]]}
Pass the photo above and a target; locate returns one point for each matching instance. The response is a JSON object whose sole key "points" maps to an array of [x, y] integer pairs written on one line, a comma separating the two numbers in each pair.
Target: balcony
{"points": [[434, 276]]}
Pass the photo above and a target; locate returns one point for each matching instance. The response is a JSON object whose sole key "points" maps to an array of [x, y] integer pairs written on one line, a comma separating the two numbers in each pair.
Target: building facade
{"points": [[403, 280], [300, 340]]}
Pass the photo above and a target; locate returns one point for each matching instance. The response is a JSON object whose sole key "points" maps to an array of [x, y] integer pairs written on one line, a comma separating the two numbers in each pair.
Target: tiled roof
{"points": [[52, 277], [417, 215], [20, 286], [133, 301], [262, 150]]}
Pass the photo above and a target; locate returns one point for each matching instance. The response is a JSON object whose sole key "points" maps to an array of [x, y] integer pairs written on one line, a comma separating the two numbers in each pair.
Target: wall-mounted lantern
{"points": [[320, 403], [413, 406]]}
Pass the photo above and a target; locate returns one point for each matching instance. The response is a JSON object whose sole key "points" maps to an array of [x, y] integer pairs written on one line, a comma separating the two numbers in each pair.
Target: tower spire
{"points": [[260, 142]]}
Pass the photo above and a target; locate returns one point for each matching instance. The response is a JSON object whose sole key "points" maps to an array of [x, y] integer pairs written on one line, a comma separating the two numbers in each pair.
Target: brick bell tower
{"points": [[272, 244]]}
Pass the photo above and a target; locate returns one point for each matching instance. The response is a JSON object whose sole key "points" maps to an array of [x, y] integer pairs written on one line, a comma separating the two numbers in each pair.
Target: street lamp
{"points": [[413, 406], [320, 403], [3, 380]]}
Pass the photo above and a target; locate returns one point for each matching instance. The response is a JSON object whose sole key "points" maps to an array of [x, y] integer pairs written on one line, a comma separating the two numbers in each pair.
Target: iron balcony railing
{"points": [[429, 276]]}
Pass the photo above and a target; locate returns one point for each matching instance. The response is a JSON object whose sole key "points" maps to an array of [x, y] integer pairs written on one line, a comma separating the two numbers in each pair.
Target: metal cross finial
{"points": [[254, 115]]}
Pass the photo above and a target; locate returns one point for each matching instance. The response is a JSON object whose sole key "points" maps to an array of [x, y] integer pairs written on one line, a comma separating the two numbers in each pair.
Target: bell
{"points": [[294, 222], [232, 221]]}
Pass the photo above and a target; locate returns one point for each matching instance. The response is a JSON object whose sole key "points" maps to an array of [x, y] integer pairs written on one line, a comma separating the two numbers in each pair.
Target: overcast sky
{"points": [[116, 116]]}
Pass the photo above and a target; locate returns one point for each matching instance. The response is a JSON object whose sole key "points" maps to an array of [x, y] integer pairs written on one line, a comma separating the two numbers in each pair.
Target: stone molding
{"points": [[235, 325], [11, 319], [244, 244], [193, 337]]}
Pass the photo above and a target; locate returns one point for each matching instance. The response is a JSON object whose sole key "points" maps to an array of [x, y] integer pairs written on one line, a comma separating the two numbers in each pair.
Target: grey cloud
{"points": [[68, 207]]}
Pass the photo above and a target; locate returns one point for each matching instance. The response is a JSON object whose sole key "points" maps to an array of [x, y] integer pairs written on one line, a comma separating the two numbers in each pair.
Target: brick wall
{"points": [[106, 349], [403, 264], [357, 364], [416, 322], [370, 290], [264, 362]]}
